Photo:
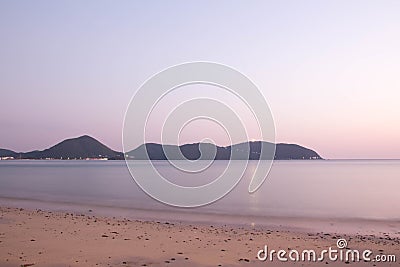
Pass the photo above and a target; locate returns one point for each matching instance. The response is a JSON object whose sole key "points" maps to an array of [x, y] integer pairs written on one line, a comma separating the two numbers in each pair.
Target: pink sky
{"points": [[329, 70]]}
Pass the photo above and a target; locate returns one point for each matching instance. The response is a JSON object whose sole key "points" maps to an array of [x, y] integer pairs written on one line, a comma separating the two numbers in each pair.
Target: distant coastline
{"points": [[88, 148]]}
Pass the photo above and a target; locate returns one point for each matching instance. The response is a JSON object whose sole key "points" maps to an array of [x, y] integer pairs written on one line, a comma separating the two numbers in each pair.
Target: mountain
{"points": [[75, 148], [293, 151], [87, 147], [242, 151], [8, 153], [187, 151]]}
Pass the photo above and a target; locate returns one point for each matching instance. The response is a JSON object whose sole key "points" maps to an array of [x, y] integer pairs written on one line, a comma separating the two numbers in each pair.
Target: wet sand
{"points": [[46, 238]]}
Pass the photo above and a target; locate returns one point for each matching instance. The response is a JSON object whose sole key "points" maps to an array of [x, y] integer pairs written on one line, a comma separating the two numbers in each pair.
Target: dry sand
{"points": [[44, 238]]}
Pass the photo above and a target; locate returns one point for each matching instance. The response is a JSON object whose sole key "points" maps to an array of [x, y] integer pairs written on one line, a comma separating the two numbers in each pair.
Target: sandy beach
{"points": [[46, 238]]}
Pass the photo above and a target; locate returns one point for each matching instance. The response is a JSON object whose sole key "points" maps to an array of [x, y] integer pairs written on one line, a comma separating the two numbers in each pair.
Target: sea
{"points": [[350, 196]]}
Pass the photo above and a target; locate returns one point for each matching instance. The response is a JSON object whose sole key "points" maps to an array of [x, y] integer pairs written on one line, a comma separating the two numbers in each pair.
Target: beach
{"points": [[34, 237]]}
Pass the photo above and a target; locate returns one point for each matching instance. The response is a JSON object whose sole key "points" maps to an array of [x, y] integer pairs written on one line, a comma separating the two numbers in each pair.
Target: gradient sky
{"points": [[330, 70]]}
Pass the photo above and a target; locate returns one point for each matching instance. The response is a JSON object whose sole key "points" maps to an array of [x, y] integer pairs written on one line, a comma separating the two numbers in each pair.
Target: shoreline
{"points": [[350, 226], [56, 238]]}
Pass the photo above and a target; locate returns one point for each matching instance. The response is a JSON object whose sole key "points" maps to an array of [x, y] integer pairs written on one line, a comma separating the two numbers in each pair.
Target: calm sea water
{"points": [[367, 189]]}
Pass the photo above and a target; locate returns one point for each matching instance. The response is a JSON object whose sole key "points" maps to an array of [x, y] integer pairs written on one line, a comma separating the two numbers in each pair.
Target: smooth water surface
{"points": [[324, 189]]}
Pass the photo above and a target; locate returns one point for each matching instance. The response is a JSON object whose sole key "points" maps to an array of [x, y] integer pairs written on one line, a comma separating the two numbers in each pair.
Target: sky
{"points": [[328, 69]]}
